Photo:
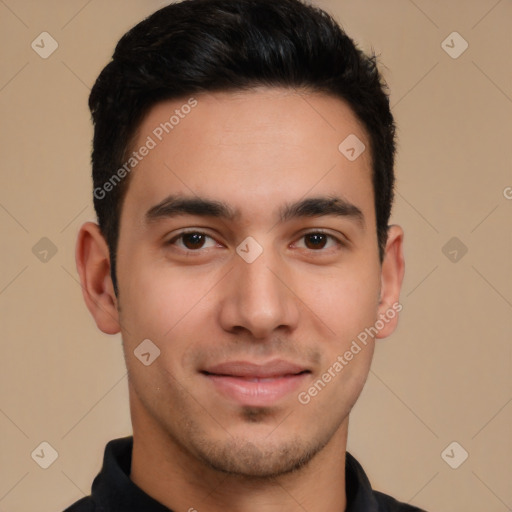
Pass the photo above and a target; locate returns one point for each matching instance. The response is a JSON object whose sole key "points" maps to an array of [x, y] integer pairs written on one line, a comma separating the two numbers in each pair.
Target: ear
{"points": [[392, 274], [93, 265]]}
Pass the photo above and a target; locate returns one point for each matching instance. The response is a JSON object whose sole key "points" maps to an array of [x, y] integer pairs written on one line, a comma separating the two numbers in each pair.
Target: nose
{"points": [[258, 297]]}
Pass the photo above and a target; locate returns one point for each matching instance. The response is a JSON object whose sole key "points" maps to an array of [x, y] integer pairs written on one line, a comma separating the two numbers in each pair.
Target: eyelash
{"points": [[340, 243]]}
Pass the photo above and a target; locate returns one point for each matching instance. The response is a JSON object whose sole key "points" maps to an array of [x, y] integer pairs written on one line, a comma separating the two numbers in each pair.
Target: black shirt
{"points": [[113, 491]]}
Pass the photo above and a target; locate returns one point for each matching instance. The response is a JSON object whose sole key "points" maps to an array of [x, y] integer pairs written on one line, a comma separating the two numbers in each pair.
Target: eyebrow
{"points": [[178, 205]]}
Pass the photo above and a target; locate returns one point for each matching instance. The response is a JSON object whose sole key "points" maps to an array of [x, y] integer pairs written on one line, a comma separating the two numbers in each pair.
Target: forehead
{"points": [[250, 149]]}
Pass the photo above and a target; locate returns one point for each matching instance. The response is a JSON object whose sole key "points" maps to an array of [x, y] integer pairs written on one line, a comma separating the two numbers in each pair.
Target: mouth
{"points": [[255, 385]]}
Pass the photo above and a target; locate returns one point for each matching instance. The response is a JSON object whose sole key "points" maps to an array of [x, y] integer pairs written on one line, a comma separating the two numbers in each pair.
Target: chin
{"points": [[257, 457]]}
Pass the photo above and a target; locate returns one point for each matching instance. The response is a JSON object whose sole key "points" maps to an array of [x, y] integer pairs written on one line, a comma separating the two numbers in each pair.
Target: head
{"points": [[221, 117], [224, 45]]}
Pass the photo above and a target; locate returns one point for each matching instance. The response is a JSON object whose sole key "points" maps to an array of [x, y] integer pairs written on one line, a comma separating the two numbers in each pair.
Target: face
{"points": [[248, 257]]}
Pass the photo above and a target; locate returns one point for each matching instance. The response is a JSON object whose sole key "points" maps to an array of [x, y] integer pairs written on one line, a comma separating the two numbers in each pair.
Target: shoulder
{"points": [[84, 505], [389, 504], [361, 496]]}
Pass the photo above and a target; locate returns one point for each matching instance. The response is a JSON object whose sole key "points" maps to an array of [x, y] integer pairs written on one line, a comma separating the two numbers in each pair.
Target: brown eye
{"points": [[317, 240], [191, 241]]}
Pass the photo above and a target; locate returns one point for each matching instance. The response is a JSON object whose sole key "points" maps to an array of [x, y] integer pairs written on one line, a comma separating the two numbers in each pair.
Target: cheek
{"points": [[348, 304], [154, 296], [345, 299], [167, 305]]}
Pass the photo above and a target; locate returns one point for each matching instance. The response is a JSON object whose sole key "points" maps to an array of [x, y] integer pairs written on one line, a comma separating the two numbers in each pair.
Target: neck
{"points": [[179, 481]]}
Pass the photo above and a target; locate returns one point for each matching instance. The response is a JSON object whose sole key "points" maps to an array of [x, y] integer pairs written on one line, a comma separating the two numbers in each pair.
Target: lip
{"points": [[245, 369], [253, 384]]}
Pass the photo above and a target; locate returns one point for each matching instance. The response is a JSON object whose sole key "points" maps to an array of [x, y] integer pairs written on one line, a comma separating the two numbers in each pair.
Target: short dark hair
{"points": [[196, 46]]}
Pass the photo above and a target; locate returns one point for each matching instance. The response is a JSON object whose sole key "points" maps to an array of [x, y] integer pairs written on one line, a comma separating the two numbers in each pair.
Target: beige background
{"points": [[444, 376]]}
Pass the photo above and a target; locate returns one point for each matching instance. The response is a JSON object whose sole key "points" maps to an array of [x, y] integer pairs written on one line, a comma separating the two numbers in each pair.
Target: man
{"points": [[243, 180]]}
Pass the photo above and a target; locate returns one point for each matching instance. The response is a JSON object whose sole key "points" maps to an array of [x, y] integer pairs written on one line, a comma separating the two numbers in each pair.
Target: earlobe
{"points": [[392, 274], [93, 266]]}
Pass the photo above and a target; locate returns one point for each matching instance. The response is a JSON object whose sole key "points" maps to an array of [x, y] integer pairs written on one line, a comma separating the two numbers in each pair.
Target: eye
{"points": [[317, 240], [191, 240]]}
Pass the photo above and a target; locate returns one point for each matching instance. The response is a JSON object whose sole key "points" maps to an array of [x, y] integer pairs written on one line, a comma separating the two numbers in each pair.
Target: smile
{"points": [[254, 385]]}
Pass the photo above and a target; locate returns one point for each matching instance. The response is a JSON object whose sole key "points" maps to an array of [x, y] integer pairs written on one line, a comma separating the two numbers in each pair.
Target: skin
{"points": [[202, 304]]}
